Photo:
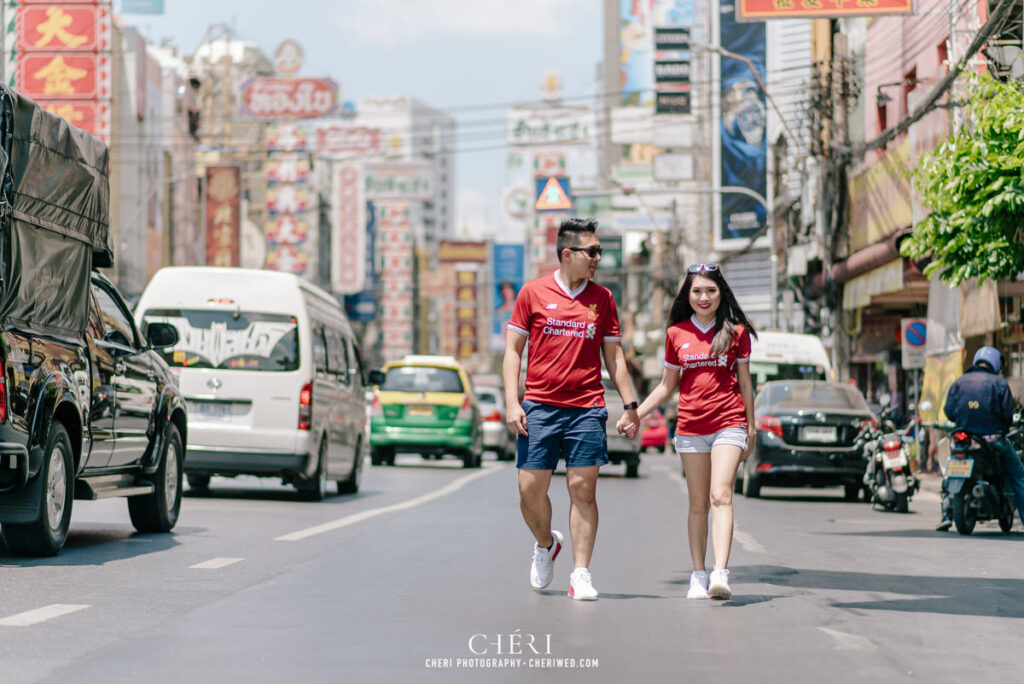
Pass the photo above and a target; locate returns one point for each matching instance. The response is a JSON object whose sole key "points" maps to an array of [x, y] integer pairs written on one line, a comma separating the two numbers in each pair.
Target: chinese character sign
{"points": [[223, 202]]}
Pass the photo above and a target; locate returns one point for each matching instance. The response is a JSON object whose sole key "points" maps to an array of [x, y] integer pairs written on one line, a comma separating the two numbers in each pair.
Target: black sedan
{"points": [[805, 437]]}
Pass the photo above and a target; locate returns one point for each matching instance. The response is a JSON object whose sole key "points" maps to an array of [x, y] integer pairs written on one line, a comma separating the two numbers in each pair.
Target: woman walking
{"points": [[707, 354]]}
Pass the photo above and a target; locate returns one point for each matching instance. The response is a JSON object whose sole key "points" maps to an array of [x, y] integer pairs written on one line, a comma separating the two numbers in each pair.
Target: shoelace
{"points": [[582, 576]]}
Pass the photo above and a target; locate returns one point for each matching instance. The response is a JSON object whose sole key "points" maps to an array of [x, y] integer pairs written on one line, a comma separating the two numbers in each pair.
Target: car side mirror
{"points": [[161, 335], [376, 377]]}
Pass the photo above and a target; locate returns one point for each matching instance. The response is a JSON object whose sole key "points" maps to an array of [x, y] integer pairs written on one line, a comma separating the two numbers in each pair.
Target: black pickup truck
{"points": [[88, 409]]}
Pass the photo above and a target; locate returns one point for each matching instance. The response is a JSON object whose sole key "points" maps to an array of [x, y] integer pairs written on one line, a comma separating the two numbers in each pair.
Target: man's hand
{"points": [[629, 424], [515, 417]]}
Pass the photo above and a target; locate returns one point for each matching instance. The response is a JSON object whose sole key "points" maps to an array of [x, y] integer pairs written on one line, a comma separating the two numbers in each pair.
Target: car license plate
{"points": [[959, 467], [894, 459], [421, 411], [818, 433], [205, 409]]}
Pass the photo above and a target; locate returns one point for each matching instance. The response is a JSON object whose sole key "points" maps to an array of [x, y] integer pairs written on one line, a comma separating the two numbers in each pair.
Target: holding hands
{"points": [[629, 424]]}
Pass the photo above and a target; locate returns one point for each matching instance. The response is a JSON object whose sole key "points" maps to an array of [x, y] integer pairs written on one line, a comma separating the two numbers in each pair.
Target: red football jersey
{"points": [[565, 330], [709, 393]]}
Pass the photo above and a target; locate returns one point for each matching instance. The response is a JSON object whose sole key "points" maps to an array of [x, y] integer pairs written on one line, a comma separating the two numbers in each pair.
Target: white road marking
{"points": [[216, 563], [450, 488], [849, 642], [32, 617]]}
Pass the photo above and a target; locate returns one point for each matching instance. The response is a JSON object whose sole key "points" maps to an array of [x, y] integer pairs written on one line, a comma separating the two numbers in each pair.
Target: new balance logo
{"points": [[551, 306]]}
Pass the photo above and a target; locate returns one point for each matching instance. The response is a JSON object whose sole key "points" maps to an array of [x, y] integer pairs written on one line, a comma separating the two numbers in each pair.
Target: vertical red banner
{"points": [[223, 223]]}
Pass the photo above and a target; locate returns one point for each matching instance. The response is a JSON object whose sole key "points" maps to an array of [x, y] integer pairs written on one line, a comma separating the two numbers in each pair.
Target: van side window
{"points": [[319, 350], [337, 355], [355, 362]]}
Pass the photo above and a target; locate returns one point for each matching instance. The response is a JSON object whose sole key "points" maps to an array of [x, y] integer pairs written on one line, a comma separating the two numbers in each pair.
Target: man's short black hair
{"points": [[569, 232]]}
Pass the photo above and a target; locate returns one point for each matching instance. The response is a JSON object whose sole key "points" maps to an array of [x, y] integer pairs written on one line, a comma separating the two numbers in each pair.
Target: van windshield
{"points": [[235, 340], [764, 371]]}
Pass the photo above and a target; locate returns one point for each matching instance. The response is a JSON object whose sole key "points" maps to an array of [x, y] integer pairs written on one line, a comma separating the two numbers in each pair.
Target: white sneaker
{"points": [[543, 567], [698, 585], [580, 587], [719, 588]]}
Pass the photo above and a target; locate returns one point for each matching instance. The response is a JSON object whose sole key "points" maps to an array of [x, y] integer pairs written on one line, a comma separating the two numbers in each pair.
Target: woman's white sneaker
{"points": [[698, 585], [581, 587], [543, 567], [719, 588]]}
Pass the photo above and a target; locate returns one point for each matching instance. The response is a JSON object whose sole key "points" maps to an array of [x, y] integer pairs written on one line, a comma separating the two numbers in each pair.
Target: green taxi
{"points": [[426, 405]]}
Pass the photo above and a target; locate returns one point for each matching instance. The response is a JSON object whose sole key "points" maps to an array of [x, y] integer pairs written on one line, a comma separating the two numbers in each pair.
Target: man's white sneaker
{"points": [[719, 587], [698, 585], [580, 586], [543, 567]]}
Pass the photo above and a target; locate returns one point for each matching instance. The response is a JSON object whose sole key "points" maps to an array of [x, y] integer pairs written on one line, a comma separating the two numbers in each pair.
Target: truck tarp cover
{"points": [[55, 203]]}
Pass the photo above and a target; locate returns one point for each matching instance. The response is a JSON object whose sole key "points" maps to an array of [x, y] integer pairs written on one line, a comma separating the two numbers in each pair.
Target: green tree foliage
{"points": [[973, 184]]}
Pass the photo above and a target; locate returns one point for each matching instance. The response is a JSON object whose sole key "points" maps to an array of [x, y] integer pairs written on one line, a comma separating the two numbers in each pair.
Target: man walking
{"points": [[569, 322]]}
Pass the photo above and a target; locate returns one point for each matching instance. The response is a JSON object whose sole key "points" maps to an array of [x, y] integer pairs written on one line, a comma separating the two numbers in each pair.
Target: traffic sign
{"points": [[553, 194], [913, 335]]}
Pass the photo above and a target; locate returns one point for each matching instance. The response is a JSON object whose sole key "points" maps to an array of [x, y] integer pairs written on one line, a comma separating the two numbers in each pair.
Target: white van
{"points": [[271, 374], [788, 356]]}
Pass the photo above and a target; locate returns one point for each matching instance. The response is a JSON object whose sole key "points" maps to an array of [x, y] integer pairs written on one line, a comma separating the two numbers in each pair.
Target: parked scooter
{"points": [[888, 481], [976, 484]]}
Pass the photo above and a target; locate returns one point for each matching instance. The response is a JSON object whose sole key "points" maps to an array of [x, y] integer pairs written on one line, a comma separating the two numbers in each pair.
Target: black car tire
{"points": [[851, 492], [472, 459], [315, 488], [350, 485], [41, 538], [1006, 519], [200, 483], [158, 512], [963, 514], [902, 504], [751, 484], [633, 466], [382, 455]]}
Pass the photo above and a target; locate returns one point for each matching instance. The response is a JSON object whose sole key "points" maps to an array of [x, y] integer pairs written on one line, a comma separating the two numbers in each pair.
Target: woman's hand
{"points": [[751, 436]]}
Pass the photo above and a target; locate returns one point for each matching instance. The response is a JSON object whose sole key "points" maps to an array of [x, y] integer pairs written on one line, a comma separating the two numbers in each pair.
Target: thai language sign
{"points": [[268, 97], [757, 10], [405, 180]]}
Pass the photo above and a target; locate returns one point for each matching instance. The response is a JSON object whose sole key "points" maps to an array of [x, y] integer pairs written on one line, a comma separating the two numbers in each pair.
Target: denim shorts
{"points": [[701, 444], [578, 434]]}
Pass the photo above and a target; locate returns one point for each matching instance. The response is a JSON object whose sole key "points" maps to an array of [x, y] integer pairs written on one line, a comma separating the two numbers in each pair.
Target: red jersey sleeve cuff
{"points": [[672, 366], [745, 359], [608, 338], [517, 329]]}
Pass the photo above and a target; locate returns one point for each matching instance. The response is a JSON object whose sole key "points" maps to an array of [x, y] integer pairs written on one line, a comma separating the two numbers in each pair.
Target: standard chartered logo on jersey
{"points": [[702, 360], [558, 327]]}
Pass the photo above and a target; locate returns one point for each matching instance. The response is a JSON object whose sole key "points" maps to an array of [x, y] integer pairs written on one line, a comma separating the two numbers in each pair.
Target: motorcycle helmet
{"points": [[991, 356]]}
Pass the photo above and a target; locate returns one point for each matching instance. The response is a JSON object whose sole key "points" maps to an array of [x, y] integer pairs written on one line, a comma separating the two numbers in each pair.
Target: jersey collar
{"points": [[698, 326], [573, 294]]}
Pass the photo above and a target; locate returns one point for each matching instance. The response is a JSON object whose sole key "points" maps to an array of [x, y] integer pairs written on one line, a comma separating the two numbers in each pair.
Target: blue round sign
{"points": [[916, 333]]}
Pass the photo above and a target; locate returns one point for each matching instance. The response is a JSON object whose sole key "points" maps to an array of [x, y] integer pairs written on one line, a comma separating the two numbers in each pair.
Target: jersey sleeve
{"points": [[520, 320], [611, 324], [671, 357], [743, 346]]}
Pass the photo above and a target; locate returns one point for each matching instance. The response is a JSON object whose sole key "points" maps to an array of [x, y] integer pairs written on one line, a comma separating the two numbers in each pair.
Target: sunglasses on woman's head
{"points": [[702, 268], [590, 251]]}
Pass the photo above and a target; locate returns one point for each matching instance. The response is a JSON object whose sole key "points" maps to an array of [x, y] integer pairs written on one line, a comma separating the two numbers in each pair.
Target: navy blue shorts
{"points": [[555, 431]]}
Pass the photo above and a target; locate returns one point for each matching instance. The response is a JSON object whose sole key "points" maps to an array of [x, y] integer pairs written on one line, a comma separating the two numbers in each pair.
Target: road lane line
{"points": [[216, 563], [450, 488], [32, 617], [849, 642]]}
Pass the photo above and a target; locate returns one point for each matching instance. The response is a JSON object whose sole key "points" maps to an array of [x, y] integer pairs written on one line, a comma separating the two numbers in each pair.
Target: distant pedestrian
{"points": [[568, 323], [707, 354]]}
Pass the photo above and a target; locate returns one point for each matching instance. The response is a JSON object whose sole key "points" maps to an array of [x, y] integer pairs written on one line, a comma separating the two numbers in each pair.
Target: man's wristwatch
{"points": [[631, 405]]}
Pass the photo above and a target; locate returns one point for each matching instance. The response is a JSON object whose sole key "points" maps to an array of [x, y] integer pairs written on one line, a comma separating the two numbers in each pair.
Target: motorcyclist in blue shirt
{"points": [[980, 403]]}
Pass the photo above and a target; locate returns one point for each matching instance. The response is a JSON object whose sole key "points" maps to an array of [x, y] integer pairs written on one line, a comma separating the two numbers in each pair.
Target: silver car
{"points": [[497, 437], [619, 448]]}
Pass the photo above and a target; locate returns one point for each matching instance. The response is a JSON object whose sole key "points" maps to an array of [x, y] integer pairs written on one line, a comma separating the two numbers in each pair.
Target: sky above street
{"points": [[469, 58]]}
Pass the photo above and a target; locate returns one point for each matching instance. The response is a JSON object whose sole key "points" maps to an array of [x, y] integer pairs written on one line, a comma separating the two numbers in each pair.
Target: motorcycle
{"points": [[888, 481], [976, 485]]}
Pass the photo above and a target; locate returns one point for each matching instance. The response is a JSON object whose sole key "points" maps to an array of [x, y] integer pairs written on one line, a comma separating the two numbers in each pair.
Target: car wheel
{"points": [[47, 535], [200, 483], [851, 492], [751, 484], [315, 488], [382, 455], [350, 485], [633, 466], [158, 512]]}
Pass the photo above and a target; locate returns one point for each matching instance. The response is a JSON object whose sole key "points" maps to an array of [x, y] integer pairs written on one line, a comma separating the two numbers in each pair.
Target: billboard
{"points": [[742, 130], [638, 50], [399, 180], [362, 306], [223, 201], [348, 230], [508, 280], [274, 97], [759, 10]]}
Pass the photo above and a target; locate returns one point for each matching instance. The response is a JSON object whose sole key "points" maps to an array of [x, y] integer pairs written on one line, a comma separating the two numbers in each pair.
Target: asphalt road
{"points": [[423, 576]]}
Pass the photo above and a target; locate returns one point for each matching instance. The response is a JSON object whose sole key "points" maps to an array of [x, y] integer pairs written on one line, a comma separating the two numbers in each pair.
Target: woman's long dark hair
{"points": [[728, 316]]}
